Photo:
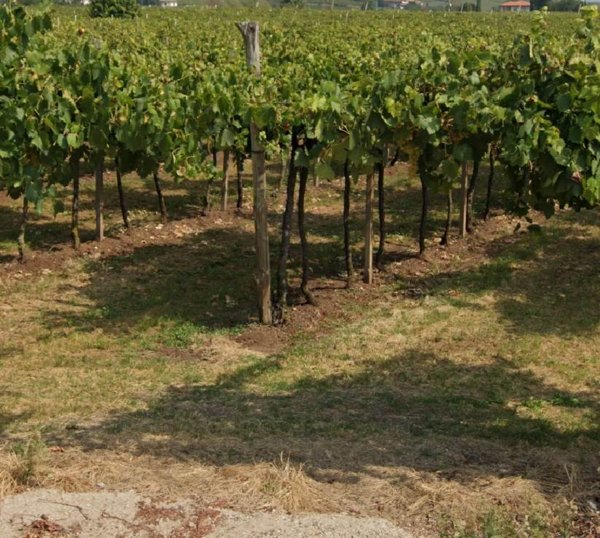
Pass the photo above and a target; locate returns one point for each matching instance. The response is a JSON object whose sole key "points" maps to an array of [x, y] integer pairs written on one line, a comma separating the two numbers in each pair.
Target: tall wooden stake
{"points": [[239, 164], [162, 206], [488, 200], [100, 200], [122, 203], [464, 178], [75, 208], [444, 240], [250, 32], [381, 208], [225, 184], [368, 267], [23, 228], [310, 298], [471, 194], [424, 212], [346, 219], [286, 232]]}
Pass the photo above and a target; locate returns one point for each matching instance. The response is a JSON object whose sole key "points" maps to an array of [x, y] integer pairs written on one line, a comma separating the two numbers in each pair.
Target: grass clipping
{"points": [[287, 486]]}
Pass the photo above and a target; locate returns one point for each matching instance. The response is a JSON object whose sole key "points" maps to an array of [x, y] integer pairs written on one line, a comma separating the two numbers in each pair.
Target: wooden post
{"points": [[490, 184], [250, 32], [346, 220], [122, 203], [464, 177], [225, 184], [162, 206], [239, 164], [23, 228], [368, 267], [75, 208], [381, 206], [100, 199]]}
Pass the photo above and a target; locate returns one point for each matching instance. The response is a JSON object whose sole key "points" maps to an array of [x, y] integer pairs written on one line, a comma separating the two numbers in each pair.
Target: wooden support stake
{"points": [[464, 199], [75, 208], [162, 205], [239, 164], [225, 184], [23, 228], [368, 267], [100, 200], [122, 203], [250, 32]]}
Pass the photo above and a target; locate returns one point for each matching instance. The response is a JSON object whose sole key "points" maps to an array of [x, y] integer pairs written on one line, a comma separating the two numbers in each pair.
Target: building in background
{"points": [[515, 5]]}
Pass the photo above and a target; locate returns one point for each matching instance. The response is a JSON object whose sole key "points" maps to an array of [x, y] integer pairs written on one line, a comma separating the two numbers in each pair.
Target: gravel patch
{"points": [[50, 513]]}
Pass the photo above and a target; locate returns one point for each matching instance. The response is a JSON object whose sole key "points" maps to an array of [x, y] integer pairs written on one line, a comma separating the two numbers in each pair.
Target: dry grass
{"points": [[20, 465], [11, 469], [288, 486], [31, 464]]}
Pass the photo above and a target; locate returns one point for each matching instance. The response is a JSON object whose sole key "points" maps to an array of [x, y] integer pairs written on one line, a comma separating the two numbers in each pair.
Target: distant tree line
{"points": [[557, 5]]}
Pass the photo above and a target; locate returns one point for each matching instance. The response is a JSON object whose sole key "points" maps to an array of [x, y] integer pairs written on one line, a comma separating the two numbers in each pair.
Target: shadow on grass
{"points": [[417, 409], [7, 419], [43, 232], [547, 282], [206, 281]]}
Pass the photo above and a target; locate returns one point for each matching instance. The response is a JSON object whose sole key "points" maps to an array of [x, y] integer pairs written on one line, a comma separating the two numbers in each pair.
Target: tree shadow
{"points": [[206, 280], [545, 282], [43, 232], [182, 199], [417, 410], [7, 419]]}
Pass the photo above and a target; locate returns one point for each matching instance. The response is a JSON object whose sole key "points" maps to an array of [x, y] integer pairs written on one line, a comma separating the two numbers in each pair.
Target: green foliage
{"points": [[564, 5], [180, 335], [167, 93], [117, 9]]}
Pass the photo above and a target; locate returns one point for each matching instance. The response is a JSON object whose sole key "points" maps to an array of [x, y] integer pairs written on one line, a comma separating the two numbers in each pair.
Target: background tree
{"points": [[128, 9]]}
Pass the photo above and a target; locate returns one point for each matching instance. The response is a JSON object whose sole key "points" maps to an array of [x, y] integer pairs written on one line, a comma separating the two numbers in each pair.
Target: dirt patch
{"points": [[123, 242], [52, 514], [264, 339]]}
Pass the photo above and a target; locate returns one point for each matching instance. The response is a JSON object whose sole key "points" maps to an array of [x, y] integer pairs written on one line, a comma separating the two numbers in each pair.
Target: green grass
{"points": [[482, 386]]}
